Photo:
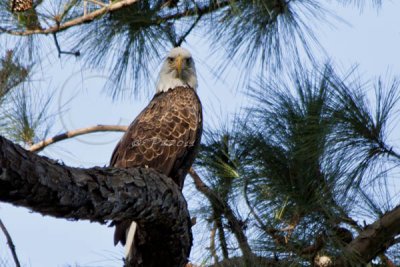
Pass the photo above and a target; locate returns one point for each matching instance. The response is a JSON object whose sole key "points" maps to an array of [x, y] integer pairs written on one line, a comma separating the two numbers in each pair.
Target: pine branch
{"points": [[74, 22], [198, 10], [10, 243], [86, 18], [69, 134], [12, 73], [224, 208], [101, 194]]}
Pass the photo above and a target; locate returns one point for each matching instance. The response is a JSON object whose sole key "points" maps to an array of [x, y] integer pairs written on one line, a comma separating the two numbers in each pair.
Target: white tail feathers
{"points": [[130, 236]]}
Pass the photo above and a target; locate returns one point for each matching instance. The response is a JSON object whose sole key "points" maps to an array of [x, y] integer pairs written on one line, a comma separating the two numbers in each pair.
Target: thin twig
{"points": [[183, 37], [251, 208], [76, 53], [69, 134], [197, 10], [10, 243]]}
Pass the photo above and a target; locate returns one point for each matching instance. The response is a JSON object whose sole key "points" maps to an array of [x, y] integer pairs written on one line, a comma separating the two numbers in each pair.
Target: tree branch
{"points": [[183, 37], [374, 239], [234, 223], [10, 243], [74, 22], [101, 194], [76, 53], [202, 10], [69, 134], [213, 249], [194, 11], [221, 236]]}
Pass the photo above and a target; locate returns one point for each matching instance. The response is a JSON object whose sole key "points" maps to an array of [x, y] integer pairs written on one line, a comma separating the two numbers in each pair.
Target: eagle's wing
{"points": [[165, 136]]}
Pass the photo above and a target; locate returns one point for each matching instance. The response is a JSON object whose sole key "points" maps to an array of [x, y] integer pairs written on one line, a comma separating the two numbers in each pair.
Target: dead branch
{"points": [[76, 53], [10, 244], [69, 134], [74, 22]]}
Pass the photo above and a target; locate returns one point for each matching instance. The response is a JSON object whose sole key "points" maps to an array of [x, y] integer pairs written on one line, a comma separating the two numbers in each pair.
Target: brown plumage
{"points": [[165, 136]]}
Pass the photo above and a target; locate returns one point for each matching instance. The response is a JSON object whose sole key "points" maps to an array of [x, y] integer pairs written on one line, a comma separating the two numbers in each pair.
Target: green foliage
{"points": [[24, 115], [132, 39], [304, 155], [312, 152], [29, 20], [27, 117], [361, 129], [287, 149], [270, 32], [12, 74], [129, 40], [219, 162], [220, 159]]}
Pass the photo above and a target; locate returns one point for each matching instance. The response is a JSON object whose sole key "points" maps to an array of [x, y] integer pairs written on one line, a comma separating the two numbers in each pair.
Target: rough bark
{"points": [[101, 194], [373, 240]]}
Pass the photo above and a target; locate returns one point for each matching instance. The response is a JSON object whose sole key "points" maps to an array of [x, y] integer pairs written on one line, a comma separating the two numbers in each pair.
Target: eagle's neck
{"points": [[167, 82], [166, 85]]}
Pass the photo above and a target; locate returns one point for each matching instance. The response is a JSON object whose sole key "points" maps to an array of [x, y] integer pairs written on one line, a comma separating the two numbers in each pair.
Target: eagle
{"points": [[165, 136]]}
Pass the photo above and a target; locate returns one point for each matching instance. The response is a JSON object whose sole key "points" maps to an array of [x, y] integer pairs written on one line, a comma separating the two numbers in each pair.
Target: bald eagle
{"points": [[166, 134]]}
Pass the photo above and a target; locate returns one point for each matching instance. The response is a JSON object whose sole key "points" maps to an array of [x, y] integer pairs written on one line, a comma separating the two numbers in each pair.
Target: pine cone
{"points": [[21, 5]]}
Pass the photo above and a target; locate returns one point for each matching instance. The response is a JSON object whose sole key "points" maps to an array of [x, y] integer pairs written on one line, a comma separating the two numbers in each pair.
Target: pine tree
{"points": [[308, 161]]}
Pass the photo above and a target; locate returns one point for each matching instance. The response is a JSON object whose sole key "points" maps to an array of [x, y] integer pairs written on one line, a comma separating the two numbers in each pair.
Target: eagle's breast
{"points": [[165, 136]]}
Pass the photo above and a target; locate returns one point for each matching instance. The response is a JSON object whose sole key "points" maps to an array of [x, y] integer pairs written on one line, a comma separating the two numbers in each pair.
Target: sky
{"points": [[369, 39]]}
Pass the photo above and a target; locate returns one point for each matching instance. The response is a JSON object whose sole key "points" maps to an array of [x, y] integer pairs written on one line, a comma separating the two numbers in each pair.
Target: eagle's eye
{"points": [[170, 59], [188, 61]]}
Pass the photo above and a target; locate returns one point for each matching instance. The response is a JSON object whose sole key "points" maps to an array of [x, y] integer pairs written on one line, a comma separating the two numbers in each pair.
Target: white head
{"points": [[177, 70]]}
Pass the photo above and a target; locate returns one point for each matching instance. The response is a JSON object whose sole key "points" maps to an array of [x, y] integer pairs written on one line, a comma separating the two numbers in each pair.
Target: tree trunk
{"points": [[101, 194]]}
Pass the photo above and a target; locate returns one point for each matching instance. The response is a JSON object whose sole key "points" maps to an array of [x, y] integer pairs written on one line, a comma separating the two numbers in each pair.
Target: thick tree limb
{"points": [[69, 134], [101, 194], [374, 239], [10, 244]]}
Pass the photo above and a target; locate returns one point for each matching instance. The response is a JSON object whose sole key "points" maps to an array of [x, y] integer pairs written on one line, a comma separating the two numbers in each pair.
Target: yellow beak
{"points": [[178, 65]]}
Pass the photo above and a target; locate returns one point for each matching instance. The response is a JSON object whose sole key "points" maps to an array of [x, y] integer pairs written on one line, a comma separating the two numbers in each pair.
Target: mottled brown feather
{"points": [[165, 136]]}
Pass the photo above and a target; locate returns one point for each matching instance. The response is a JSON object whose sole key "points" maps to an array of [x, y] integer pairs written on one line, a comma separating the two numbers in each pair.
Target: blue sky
{"points": [[370, 39]]}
